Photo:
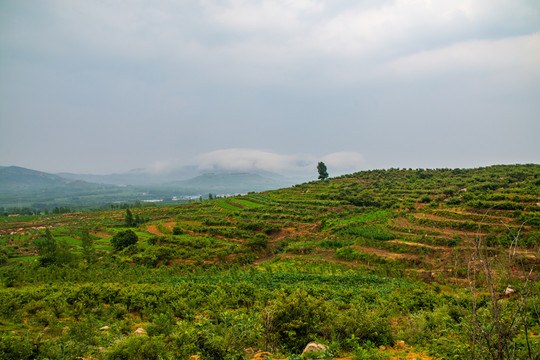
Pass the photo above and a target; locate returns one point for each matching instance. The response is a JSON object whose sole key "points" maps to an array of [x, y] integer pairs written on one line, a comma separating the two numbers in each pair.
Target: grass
{"points": [[224, 204], [248, 204], [369, 217], [25, 259]]}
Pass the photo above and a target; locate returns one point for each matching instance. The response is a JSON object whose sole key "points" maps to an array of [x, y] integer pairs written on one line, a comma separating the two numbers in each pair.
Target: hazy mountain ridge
{"points": [[25, 187], [180, 176], [134, 177], [232, 182], [13, 178]]}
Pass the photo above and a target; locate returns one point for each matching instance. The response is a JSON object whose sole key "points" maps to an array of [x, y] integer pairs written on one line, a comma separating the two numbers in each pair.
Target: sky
{"points": [[107, 86]]}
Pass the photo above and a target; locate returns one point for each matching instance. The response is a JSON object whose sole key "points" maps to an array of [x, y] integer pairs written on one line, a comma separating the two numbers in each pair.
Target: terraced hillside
{"points": [[393, 245]]}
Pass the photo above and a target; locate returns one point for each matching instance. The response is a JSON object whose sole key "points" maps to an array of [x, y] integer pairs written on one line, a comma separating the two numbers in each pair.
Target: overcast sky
{"points": [[107, 86]]}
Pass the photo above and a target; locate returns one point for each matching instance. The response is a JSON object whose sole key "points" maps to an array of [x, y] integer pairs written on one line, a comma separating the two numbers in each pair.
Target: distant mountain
{"points": [[135, 177], [16, 179], [231, 183], [20, 187], [190, 176], [25, 187]]}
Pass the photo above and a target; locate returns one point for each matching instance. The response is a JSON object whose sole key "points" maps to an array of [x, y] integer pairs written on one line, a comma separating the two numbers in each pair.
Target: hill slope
{"points": [[25, 187], [376, 264], [14, 178]]}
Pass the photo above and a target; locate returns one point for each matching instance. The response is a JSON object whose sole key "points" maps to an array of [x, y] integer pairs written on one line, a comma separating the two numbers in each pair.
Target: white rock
{"points": [[139, 331], [509, 291], [315, 347]]}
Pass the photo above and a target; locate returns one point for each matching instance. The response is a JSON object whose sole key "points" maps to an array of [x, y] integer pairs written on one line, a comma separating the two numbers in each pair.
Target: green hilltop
{"points": [[380, 264]]}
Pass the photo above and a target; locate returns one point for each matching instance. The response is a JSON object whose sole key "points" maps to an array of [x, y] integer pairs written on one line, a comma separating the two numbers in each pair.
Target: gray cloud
{"points": [[108, 86]]}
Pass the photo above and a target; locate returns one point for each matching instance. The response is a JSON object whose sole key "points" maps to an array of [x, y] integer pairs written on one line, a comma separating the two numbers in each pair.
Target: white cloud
{"points": [[253, 159], [517, 58], [245, 159], [274, 16]]}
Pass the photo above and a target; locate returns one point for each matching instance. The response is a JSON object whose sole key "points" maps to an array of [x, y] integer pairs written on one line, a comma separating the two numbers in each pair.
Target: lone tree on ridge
{"points": [[321, 168]]}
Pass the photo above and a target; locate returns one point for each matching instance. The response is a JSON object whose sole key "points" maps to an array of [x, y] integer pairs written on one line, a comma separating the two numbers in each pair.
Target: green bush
{"points": [[124, 239], [162, 324], [136, 347], [362, 324], [259, 241], [335, 244], [177, 230], [292, 321], [426, 199], [16, 348], [51, 251]]}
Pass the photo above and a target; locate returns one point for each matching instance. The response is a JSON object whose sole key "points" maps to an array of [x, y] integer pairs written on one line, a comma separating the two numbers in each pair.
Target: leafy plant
{"points": [[124, 239]]}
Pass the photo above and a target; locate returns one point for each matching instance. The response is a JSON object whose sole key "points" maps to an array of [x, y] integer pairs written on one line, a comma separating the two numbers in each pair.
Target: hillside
{"points": [[376, 264], [20, 187], [14, 178]]}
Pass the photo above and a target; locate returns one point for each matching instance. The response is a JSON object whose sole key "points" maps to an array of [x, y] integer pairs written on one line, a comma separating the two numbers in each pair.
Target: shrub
{"points": [[292, 321], [51, 251], [124, 239], [177, 230], [335, 244], [162, 324], [259, 241], [154, 239], [136, 348], [426, 199], [16, 348], [362, 324]]}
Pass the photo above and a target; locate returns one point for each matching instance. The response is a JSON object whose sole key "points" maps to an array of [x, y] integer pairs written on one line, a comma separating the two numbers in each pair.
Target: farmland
{"points": [[380, 264]]}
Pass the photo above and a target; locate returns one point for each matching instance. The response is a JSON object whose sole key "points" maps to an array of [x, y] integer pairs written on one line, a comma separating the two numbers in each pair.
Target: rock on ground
{"points": [[315, 347], [139, 331]]}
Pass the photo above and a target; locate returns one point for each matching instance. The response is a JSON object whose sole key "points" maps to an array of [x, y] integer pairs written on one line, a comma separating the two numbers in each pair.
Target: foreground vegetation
{"points": [[374, 265]]}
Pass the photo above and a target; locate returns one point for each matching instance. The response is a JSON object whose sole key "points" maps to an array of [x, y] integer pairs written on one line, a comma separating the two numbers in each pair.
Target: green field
{"points": [[382, 264]]}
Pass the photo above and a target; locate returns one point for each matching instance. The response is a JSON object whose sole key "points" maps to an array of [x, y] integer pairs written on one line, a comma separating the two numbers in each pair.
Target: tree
{"points": [[129, 221], [139, 219], [89, 252], [124, 239], [47, 249], [52, 252], [321, 168]]}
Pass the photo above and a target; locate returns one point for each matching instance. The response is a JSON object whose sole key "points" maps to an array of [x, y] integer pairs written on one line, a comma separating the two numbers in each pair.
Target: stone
{"points": [[382, 347], [509, 291], [400, 345], [139, 331], [104, 328], [314, 347]]}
